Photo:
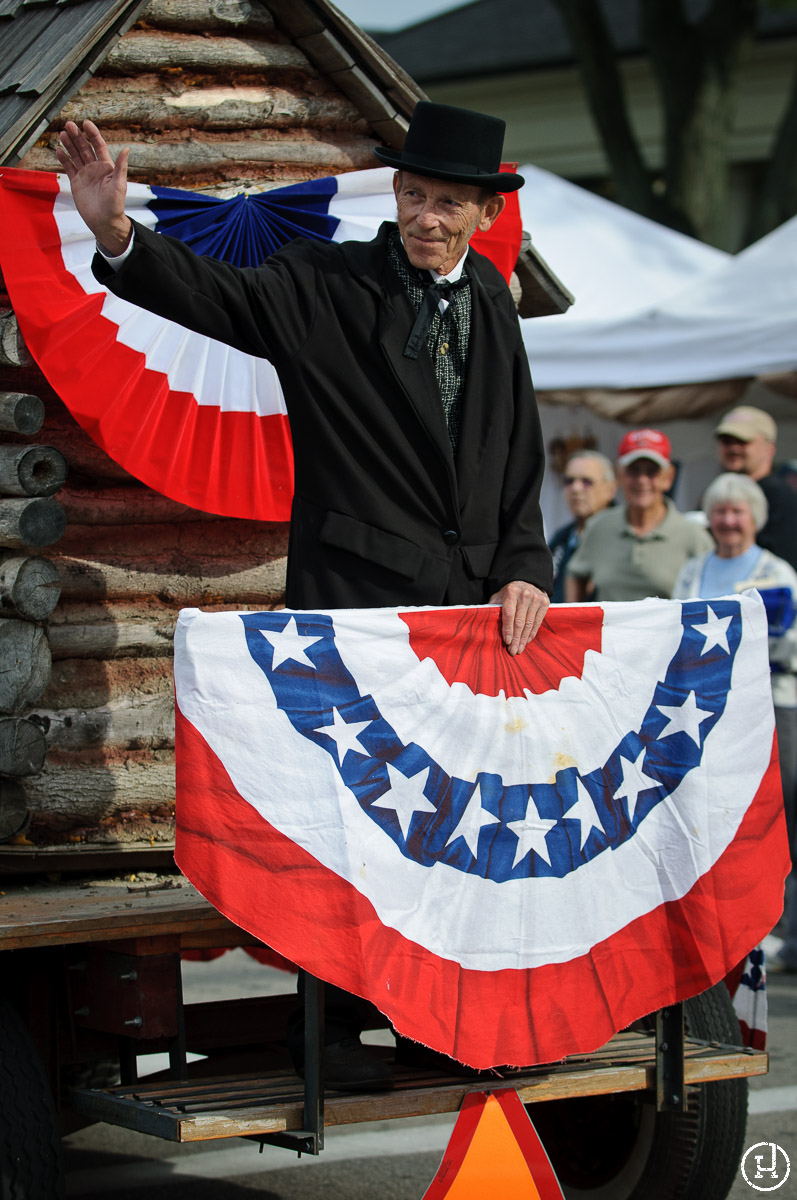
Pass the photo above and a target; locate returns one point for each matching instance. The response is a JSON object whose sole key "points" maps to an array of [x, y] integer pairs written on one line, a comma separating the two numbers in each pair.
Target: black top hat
{"points": [[454, 144]]}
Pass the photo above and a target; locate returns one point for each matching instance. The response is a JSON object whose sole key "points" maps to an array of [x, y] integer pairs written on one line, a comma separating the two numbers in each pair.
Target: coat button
{"points": [[450, 537], [444, 348]]}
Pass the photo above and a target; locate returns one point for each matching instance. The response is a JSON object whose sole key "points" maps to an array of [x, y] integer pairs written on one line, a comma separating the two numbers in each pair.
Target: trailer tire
{"points": [[618, 1147], [31, 1159]]}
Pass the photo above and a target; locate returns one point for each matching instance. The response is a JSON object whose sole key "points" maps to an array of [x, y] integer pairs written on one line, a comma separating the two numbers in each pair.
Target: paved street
{"points": [[392, 1160]]}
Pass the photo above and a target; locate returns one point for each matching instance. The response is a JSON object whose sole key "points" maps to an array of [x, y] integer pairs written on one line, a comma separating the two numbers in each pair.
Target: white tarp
{"points": [[653, 307]]}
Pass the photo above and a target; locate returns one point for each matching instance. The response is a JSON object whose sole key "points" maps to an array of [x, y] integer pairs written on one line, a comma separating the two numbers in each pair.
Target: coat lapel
{"points": [[483, 376], [395, 316]]}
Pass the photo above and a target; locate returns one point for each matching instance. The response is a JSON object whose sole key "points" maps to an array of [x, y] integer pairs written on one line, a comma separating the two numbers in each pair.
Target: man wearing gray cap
{"points": [[746, 439]]}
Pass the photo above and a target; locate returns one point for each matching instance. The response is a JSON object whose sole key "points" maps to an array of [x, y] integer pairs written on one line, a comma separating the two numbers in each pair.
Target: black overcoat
{"points": [[382, 514]]}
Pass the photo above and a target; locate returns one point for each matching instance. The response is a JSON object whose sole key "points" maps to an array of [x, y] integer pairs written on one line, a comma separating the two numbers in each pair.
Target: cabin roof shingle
{"points": [[50, 48]]}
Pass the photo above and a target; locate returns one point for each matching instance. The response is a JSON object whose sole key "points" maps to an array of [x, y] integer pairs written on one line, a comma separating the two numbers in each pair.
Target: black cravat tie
{"points": [[435, 291]]}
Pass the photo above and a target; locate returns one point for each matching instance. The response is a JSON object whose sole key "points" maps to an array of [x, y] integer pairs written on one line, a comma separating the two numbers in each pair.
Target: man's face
{"points": [[587, 490], [753, 458], [644, 482], [436, 220]]}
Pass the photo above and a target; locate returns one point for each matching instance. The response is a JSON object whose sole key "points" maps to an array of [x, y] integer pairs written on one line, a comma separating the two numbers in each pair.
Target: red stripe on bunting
{"points": [[275, 890], [466, 646], [236, 464]]}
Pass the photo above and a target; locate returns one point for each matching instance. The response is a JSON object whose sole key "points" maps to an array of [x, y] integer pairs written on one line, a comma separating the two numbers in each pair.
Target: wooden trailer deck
{"points": [[252, 1105], [161, 918]]}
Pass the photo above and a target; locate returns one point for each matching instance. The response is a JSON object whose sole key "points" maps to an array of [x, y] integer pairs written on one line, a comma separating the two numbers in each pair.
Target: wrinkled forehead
{"points": [[439, 189]]}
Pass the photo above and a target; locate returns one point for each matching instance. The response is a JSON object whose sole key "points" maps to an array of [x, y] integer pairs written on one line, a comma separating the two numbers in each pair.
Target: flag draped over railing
{"points": [[194, 419], [513, 858]]}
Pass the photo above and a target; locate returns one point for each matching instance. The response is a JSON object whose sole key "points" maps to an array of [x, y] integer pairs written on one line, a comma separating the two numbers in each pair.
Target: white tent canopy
{"points": [[653, 307]]}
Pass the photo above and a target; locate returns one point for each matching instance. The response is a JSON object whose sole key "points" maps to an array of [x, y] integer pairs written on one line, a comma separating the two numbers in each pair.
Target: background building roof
{"points": [[492, 36]]}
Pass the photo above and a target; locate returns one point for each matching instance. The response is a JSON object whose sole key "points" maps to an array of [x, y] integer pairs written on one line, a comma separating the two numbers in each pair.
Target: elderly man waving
{"points": [[416, 436]]}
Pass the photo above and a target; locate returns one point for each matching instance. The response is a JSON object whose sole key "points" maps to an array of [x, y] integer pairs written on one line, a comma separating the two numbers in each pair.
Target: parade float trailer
{"points": [[213, 94]]}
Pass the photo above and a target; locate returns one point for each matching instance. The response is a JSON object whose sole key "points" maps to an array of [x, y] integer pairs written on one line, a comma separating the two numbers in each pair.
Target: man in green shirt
{"points": [[636, 549]]}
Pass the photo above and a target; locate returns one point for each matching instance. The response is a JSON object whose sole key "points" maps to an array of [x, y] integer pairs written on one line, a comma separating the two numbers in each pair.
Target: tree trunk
{"points": [[778, 201], [695, 63], [589, 35]]}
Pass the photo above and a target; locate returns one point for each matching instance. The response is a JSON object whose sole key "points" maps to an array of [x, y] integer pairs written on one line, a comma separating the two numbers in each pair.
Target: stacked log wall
{"points": [[30, 519], [128, 561], [214, 96]]}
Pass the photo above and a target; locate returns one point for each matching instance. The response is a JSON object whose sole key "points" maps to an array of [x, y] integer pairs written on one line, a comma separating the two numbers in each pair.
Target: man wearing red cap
{"points": [[637, 549]]}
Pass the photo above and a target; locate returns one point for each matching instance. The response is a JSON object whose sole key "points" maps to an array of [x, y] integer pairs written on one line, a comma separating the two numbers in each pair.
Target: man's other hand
{"points": [[523, 607], [99, 185]]}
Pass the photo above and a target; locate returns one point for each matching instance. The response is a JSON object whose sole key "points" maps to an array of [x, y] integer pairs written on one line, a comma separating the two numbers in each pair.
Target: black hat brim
{"points": [[502, 181]]}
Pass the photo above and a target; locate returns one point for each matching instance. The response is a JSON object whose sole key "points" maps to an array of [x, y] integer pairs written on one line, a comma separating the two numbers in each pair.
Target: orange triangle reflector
{"points": [[494, 1151]]}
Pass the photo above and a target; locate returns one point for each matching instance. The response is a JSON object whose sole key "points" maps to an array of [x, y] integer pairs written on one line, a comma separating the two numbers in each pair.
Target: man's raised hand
{"points": [[99, 185]]}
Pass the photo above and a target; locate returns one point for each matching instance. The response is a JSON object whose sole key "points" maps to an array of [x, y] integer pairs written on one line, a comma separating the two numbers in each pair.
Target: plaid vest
{"points": [[448, 335]]}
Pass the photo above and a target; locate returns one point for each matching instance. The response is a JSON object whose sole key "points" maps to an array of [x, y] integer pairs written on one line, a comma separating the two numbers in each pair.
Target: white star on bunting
{"points": [[585, 812], [405, 797], [472, 821], [290, 644], [634, 781], [683, 718], [715, 631], [345, 735], [531, 833]]}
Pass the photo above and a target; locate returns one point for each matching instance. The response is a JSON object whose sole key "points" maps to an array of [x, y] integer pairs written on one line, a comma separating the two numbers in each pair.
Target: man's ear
{"points": [[491, 211], [669, 473]]}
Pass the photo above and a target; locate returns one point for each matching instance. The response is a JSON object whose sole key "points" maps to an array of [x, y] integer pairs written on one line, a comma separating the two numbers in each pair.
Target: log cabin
{"points": [[211, 95]]}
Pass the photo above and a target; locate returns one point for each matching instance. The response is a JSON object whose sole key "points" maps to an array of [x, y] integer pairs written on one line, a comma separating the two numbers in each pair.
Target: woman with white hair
{"points": [[737, 509]]}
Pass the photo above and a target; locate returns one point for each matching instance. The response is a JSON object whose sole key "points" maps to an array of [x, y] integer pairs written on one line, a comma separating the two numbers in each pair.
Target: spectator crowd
{"points": [[628, 541]]}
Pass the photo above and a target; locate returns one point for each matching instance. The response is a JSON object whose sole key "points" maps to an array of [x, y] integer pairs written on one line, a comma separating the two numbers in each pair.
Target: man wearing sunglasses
{"points": [[590, 485]]}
